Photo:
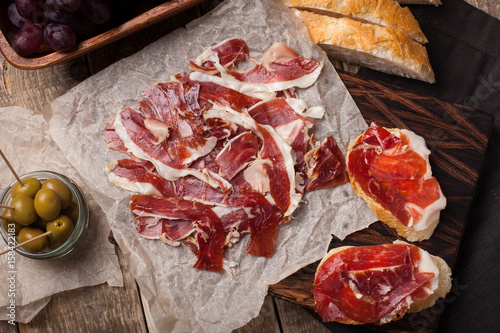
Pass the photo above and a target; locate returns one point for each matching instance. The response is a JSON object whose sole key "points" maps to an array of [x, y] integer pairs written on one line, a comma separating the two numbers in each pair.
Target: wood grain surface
{"points": [[457, 137]]}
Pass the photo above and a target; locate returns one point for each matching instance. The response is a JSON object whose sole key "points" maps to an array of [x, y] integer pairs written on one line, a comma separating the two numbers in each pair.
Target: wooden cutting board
{"points": [[457, 137]]}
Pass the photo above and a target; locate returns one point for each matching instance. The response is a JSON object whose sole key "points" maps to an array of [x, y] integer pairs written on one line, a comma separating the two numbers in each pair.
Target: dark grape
{"points": [[59, 16], [96, 10], [15, 17], [69, 5], [28, 39], [54, 13], [28, 8], [58, 36]]}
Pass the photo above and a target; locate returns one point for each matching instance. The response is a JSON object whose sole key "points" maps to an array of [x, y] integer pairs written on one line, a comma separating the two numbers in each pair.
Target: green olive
{"points": [[29, 188], [7, 215], [47, 204], [24, 209], [61, 189], [11, 226], [28, 233], [71, 212], [61, 228]]}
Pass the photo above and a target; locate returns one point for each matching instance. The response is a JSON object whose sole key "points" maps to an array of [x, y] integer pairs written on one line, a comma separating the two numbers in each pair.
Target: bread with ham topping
{"points": [[444, 282], [381, 211]]}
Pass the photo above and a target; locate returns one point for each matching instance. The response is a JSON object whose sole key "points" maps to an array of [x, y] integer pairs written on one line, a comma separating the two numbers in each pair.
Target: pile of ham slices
{"points": [[220, 152]]}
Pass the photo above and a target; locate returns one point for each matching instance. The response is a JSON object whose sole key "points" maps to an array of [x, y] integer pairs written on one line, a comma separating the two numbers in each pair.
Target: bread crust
{"points": [[444, 286], [385, 49], [385, 13], [420, 2], [383, 214]]}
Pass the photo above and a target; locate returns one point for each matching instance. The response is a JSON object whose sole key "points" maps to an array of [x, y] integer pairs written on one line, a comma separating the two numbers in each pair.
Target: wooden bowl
{"points": [[48, 58]]}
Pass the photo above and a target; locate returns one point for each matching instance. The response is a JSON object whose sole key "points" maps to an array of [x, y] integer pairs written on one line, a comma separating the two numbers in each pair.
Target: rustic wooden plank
{"points": [[98, 308], [5, 327], [455, 166], [265, 322], [295, 319], [34, 89], [127, 46]]}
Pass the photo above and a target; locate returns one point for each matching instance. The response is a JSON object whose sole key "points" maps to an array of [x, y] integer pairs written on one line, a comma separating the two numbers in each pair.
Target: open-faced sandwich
{"points": [[379, 283], [390, 170]]}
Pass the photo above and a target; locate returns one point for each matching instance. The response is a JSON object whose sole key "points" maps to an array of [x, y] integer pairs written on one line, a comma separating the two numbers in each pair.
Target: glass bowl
{"points": [[79, 227]]}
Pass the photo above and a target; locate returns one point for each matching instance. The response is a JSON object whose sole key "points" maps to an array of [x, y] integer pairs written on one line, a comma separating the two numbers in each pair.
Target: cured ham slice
{"points": [[261, 218], [113, 140], [237, 154], [214, 154], [226, 53], [275, 157], [210, 232], [214, 91], [390, 169], [138, 176], [377, 284], [280, 68], [325, 165], [291, 126], [171, 232]]}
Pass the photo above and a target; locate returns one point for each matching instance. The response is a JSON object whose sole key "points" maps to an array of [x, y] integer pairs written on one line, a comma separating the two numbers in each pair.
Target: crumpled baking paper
{"points": [[25, 141], [179, 297]]}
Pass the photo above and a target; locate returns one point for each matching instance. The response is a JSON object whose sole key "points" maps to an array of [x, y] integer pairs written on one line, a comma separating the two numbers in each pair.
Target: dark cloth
{"points": [[464, 50]]}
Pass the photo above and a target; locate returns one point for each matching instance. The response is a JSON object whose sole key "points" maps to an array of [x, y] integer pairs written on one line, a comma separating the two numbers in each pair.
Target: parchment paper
{"points": [[180, 298], [28, 146]]}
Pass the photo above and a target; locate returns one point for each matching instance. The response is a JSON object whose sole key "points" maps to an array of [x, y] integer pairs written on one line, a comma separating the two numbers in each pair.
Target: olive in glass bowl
{"points": [[60, 206]]}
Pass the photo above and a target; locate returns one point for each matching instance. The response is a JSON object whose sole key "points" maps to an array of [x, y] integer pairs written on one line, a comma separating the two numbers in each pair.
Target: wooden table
{"points": [[109, 309]]}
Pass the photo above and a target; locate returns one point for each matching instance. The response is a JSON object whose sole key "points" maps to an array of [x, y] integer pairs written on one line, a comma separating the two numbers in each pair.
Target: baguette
{"points": [[386, 49], [444, 282], [386, 13]]}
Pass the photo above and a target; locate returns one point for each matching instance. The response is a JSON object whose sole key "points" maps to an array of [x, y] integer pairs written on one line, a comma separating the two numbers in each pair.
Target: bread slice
{"points": [[443, 288], [386, 49], [420, 2], [392, 221], [386, 13], [385, 215]]}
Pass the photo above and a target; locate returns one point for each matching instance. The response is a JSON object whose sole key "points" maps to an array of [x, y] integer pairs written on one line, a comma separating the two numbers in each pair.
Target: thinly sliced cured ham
{"points": [[390, 169], [280, 68], [215, 155], [210, 232], [226, 53], [171, 232], [377, 284], [325, 165], [138, 176], [291, 126], [237, 154]]}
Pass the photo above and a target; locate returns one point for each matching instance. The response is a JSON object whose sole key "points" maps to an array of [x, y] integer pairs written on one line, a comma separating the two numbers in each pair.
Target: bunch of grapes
{"points": [[57, 22]]}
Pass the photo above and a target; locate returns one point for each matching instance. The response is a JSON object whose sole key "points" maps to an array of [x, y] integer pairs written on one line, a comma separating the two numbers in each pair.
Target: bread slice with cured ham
{"points": [[390, 170], [386, 13], [379, 283]]}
